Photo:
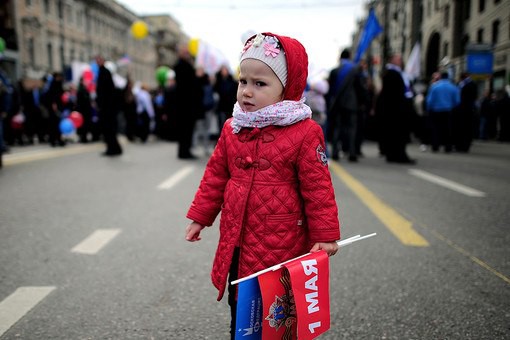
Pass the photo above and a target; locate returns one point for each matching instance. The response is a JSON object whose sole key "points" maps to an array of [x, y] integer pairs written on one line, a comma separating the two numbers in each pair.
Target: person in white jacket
{"points": [[145, 113]]}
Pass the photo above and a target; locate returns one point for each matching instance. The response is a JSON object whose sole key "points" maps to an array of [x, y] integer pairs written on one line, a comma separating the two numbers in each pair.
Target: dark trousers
{"points": [[441, 130], [344, 133], [110, 134], [186, 128], [232, 292], [143, 126]]}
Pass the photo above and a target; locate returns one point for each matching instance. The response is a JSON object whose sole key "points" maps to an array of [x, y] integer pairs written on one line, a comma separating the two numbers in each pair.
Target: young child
{"points": [[269, 173]]}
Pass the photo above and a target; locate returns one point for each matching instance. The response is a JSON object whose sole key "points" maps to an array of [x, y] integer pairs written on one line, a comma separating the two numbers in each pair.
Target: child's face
{"points": [[258, 86]]}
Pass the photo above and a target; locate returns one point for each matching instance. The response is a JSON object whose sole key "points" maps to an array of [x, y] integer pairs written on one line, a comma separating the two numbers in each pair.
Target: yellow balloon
{"points": [[139, 29], [193, 46]]}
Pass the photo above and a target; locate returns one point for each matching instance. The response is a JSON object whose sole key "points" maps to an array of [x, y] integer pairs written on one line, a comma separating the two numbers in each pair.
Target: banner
{"points": [[413, 68], [370, 31], [249, 311], [310, 285], [279, 313]]}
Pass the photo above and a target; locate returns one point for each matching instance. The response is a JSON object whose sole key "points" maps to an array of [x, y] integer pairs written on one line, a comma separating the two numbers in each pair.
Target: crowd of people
{"points": [[441, 114], [192, 107], [190, 102]]}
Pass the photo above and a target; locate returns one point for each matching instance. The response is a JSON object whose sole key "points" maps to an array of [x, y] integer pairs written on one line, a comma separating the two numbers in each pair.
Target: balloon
{"points": [[65, 97], [76, 118], [193, 46], [139, 29], [17, 121], [2, 44], [94, 67], [66, 126], [88, 76], [161, 74]]}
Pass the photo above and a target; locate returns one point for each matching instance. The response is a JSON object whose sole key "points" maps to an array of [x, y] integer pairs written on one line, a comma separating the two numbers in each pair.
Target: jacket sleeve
{"points": [[317, 188], [209, 197]]}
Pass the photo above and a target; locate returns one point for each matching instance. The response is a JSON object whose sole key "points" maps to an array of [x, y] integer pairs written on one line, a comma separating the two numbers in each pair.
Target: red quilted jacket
{"points": [[274, 191]]}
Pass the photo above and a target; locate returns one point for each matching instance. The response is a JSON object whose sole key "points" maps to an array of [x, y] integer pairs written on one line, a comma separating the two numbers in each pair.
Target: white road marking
{"points": [[176, 178], [19, 303], [447, 183], [96, 241]]}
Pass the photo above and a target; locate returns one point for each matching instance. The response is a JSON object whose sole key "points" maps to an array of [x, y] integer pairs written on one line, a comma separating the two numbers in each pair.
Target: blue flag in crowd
{"points": [[371, 30], [249, 310]]}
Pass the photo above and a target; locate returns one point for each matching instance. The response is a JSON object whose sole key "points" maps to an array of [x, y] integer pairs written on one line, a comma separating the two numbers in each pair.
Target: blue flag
{"points": [[371, 30], [249, 310]]}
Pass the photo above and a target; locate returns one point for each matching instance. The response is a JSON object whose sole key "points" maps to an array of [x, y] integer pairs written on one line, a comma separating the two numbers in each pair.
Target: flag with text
{"points": [[249, 310], [309, 276]]}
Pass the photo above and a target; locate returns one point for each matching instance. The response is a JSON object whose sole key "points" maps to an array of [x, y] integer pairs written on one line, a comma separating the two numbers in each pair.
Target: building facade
{"points": [[448, 32], [50, 35]]}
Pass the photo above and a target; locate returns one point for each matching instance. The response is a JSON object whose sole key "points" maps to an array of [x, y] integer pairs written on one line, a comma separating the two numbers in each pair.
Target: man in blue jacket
{"points": [[443, 97]]}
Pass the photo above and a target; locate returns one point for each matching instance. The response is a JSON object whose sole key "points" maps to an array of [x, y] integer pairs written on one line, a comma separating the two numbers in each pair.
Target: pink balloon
{"points": [[76, 118]]}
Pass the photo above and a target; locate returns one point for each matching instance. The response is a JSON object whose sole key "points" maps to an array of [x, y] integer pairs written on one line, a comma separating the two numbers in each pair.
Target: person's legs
{"points": [[232, 292]]}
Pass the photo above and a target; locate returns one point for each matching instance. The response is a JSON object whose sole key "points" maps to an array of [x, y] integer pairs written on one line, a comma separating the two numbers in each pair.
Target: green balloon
{"points": [[2, 45], [161, 73]]}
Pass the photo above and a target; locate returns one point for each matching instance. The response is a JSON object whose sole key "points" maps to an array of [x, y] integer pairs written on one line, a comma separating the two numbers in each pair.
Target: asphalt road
{"points": [[93, 247]]}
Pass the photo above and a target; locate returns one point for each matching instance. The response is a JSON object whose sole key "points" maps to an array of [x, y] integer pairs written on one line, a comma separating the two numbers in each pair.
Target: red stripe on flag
{"points": [[279, 313]]}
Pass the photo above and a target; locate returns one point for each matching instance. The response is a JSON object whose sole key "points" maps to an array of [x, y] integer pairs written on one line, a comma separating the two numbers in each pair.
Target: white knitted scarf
{"points": [[283, 113]]}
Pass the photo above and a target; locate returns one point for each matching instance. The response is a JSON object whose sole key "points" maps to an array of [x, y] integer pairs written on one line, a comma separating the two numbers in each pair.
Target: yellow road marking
{"points": [[30, 156], [398, 225], [468, 255]]}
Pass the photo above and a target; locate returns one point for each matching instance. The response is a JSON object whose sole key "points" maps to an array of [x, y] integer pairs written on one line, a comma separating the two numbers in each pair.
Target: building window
{"points": [[49, 51], [31, 50], [436, 5], [467, 9], [481, 5], [60, 9], [47, 9], [28, 3], [447, 16], [429, 8], [479, 36], [495, 32]]}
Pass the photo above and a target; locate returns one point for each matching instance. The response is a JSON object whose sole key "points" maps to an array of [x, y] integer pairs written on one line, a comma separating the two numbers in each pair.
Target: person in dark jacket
{"points": [[52, 100], [464, 115], [84, 106], [188, 97], [129, 110], [108, 108], [395, 113], [345, 98], [226, 88]]}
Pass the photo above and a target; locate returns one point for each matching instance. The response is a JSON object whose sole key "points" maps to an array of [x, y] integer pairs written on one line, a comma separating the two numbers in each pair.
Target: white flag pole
{"points": [[278, 266]]}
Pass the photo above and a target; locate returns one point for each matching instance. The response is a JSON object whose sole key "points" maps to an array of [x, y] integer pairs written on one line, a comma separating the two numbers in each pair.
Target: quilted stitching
{"points": [[274, 213]]}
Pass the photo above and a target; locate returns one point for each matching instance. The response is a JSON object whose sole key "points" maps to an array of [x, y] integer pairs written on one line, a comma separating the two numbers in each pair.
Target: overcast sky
{"points": [[323, 27]]}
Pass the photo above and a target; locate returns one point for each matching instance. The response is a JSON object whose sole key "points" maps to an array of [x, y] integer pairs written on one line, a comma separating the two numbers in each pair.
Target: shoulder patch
{"points": [[321, 155]]}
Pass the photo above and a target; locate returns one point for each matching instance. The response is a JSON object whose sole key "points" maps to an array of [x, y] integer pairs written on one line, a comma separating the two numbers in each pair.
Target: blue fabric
{"points": [[371, 30], [36, 95], [249, 310], [443, 96], [346, 67]]}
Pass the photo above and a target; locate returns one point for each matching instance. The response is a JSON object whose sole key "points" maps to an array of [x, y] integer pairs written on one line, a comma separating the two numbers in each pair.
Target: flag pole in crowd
{"points": [[280, 265]]}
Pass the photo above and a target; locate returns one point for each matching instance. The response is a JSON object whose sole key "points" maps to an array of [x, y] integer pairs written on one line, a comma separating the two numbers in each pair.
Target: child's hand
{"points": [[329, 247], [193, 231]]}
